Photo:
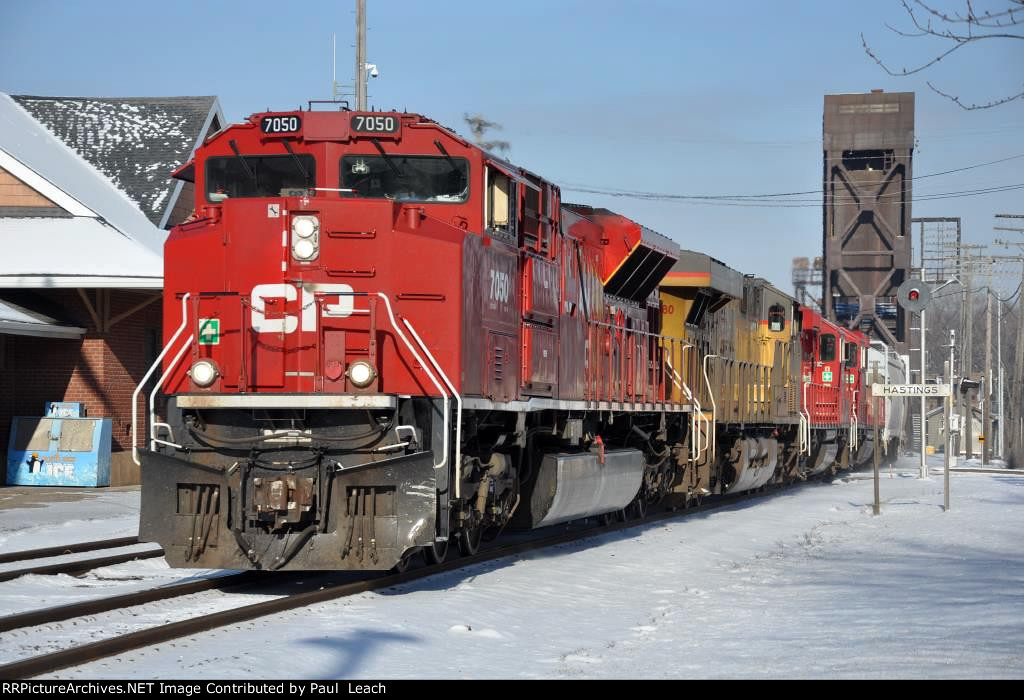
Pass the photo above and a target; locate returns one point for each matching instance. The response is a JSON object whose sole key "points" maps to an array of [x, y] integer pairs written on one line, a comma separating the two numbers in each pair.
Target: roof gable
{"points": [[136, 142], [19, 199], [106, 240]]}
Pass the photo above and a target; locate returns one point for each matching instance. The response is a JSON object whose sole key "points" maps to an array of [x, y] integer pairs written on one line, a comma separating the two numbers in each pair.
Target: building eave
{"points": [[41, 330], [79, 281]]}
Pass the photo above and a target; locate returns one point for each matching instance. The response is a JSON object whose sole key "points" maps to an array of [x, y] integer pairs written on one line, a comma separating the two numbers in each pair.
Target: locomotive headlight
{"points": [[305, 226], [203, 373], [304, 249], [361, 373], [305, 237]]}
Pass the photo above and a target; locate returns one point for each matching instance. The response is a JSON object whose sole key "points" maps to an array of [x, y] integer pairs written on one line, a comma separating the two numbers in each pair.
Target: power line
{"points": [[780, 197], [1010, 298], [778, 203], [952, 134]]}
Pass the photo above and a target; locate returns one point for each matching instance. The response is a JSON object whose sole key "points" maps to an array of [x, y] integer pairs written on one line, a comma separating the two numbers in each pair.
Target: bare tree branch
{"points": [[986, 19], [929, 21], [986, 105]]}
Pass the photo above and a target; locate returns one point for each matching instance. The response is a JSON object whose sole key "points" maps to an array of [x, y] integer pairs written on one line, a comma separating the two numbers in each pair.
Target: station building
{"points": [[85, 205]]}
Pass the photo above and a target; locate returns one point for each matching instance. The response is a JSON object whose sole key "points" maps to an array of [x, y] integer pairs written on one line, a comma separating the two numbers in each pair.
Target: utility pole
{"points": [[1018, 383], [361, 55], [986, 448], [924, 402], [968, 263], [950, 444], [1000, 451], [1017, 390], [966, 358]]}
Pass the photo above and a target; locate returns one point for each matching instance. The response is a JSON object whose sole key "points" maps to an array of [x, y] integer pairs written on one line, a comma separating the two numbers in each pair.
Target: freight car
{"points": [[381, 339]]}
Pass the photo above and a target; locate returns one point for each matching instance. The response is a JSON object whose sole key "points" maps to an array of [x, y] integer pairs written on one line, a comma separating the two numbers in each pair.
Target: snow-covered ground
{"points": [[48, 517], [806, 583]]}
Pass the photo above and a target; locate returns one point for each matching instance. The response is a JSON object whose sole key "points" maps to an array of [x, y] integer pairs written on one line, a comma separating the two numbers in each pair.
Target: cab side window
{"points": [[529, 222], [851, 354], [500, 202], [828, 348], [776, 318]]}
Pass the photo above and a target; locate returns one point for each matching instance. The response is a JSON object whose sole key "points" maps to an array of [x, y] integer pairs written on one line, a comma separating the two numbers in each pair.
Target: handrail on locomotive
{"points": [[153, 425]]}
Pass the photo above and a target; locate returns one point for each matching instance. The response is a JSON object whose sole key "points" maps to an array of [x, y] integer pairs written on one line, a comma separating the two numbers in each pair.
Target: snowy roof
{"points": [[29, 143], [135, 141], [106, 242], [79, 251], [15, 320]]}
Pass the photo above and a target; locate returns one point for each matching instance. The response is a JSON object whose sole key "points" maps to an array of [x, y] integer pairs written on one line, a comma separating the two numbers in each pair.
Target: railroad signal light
{"points": [[968, 385], [913, 295]]}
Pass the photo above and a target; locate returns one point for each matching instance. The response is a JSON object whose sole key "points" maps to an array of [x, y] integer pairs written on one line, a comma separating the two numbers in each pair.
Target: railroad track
{"points": [[78, 566], [46, 616], [45, 552], [76, 656]]}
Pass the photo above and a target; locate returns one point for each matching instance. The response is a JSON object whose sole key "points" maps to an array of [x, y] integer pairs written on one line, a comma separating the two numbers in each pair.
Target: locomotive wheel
{"points": [[469, 540], [435, 553], [638, 508], [403, 564]]}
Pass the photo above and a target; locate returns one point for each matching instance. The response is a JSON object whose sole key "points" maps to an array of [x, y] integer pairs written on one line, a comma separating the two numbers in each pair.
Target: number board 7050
{"points": [[281, 124], [375, 124]]}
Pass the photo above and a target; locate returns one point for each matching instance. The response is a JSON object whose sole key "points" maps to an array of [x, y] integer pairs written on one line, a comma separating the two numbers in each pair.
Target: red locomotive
{"points": [[381, 338]]}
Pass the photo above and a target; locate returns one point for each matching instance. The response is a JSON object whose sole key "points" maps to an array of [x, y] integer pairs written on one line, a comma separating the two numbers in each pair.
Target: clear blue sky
{"points": [[655, 95]]}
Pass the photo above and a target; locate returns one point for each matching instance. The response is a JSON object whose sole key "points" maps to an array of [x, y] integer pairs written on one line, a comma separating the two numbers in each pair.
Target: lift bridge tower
{"points": [[868, 144]]}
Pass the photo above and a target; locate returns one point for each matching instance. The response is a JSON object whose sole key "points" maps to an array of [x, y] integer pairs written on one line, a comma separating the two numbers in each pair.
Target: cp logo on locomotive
{"points": [[288, 323]]}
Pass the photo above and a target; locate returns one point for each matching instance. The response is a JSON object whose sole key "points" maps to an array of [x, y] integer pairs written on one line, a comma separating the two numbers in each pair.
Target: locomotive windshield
{"points": [[406, 178], [259, 176]]}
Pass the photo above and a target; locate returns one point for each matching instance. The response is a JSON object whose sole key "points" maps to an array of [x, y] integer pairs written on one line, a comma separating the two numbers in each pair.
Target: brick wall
{"points": [[100, 370]]}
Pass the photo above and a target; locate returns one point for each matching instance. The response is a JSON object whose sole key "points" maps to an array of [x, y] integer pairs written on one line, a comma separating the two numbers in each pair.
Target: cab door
{"points": [[541, 289]]}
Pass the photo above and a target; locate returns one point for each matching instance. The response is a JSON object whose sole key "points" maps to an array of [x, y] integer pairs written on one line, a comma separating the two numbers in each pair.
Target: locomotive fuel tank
{"points": [[823, 457], [576, 485], [753, 461]]}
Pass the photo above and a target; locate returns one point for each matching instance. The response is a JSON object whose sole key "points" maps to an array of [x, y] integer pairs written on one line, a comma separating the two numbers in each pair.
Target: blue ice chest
{"points": [[59, 452]]}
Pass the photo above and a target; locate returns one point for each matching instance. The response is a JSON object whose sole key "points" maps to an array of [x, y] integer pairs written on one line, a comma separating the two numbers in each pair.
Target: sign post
{"points": [[947, 414], [877, 459]]}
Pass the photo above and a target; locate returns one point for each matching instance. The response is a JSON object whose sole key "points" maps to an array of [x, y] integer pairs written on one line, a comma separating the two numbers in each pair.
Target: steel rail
{"points": [[76, 548], [81, 565], [45, 616], [994, 471], [93, 651]]}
